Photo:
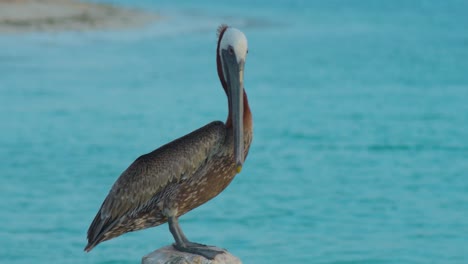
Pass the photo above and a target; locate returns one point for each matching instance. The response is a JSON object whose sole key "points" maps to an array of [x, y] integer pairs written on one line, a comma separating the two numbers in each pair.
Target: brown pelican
{"points": [[162, 185]]}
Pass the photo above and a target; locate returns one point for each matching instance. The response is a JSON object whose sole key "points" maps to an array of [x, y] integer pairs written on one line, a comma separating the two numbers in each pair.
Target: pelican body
{"points": [[168, 182]]}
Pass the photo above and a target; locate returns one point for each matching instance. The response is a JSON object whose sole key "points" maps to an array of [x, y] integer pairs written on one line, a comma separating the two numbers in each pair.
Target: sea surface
{"points": [[360, 151]]}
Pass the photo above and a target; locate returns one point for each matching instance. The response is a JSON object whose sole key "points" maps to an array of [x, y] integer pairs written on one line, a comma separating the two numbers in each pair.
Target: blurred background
{"points": [[360, 151]]}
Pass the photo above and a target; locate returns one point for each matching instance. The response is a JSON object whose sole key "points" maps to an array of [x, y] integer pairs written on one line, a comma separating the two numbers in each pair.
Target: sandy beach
{"points": [[17, 16]]}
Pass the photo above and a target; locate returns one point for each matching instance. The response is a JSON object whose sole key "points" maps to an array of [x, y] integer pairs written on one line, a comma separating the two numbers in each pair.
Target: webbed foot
{"points": [[198, 249]]}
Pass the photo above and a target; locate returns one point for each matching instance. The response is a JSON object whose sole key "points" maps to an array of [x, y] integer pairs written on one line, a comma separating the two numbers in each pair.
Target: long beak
{"points": [[238, 115], [235, 81]]}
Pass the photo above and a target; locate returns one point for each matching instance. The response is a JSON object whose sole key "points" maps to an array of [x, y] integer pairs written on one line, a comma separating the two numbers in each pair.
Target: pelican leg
{"points": [[184, 245]]}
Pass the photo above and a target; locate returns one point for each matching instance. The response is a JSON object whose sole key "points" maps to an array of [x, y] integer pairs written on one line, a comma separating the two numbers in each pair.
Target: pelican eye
{"points": [[231, 50]]}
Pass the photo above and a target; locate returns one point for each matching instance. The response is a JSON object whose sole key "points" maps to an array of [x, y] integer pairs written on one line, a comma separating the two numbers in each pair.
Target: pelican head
{"points": [[232, 52]]}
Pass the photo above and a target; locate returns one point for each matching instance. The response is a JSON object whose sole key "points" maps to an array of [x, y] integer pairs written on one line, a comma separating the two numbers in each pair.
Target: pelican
{"points": [[168, 182]]}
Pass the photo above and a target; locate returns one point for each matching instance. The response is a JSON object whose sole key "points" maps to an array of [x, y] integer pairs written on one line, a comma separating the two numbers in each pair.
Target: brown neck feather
{"points": [[221, 31], [247, 115]]}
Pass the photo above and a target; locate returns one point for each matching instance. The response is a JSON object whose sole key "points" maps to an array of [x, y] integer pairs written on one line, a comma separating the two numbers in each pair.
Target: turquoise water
{"points": [[360, 152]]}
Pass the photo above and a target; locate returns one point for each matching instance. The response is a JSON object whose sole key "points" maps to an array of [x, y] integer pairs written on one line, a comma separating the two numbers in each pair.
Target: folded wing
{"points": [[150, 173]]}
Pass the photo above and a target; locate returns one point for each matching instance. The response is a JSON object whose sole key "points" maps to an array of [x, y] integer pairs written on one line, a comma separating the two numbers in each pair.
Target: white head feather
{"points": [[237, 40]]}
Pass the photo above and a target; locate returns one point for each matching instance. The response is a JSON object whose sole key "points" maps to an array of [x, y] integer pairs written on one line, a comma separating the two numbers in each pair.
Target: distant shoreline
{"points": [[18, 16]]}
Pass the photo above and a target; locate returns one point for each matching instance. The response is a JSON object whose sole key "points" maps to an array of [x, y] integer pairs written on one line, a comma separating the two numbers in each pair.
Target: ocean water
{"points": [[360, 151]]}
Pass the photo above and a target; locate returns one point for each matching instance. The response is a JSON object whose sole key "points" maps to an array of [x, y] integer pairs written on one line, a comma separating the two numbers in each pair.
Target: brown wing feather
{"points": [[150, 173]]}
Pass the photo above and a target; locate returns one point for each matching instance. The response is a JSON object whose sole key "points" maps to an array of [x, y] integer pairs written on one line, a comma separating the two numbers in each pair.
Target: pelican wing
{"points": [[150, 173]]}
